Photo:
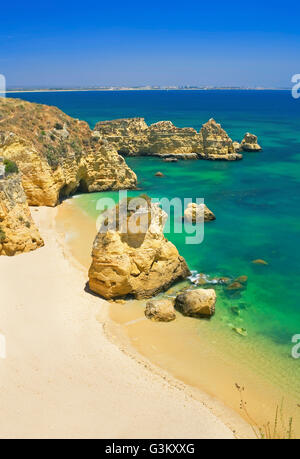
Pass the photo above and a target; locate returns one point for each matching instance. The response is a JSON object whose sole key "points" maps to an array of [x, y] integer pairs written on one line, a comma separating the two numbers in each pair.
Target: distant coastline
{"points": [[24, 90]]}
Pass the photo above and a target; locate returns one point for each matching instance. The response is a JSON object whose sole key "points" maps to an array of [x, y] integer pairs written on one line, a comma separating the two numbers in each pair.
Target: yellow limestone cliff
{"points": [[58, 155], [135, 259], [18, 232]]}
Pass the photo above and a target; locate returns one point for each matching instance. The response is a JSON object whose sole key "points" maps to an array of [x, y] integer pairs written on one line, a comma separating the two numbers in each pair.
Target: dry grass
{"points": [[279, 428]]}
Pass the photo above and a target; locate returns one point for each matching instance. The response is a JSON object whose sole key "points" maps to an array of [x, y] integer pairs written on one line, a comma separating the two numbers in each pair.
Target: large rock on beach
{"points": [[139, 261], [197, 303], [160, 310]]}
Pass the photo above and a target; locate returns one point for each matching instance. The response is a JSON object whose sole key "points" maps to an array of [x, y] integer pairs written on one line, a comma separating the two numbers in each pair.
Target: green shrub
{"points": [[52, 157], [58, 126], [10, 167]]}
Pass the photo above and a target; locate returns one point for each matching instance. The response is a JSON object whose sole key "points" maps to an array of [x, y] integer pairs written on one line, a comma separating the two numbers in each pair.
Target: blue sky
{"points": [[158, 42]]}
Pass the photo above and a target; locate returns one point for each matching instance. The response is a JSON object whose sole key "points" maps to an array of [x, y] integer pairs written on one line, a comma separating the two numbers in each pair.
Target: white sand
{"points": [[62, 376]]}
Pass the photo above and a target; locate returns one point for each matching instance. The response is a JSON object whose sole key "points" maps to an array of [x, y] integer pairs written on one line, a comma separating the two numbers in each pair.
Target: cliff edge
{"points": [[18, 233], [58, 155]]}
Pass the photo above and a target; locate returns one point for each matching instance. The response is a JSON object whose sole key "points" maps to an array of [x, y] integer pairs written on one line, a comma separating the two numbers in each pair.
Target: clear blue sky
{"points": [[62, 43]]}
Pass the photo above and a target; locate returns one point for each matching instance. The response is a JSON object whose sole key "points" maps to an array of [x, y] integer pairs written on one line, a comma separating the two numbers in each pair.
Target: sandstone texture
{"points": [[160, 310], [18, 233], [216, 143], [197, 303], [58, 155], [133, 137], [197, 213], [138, 262]]}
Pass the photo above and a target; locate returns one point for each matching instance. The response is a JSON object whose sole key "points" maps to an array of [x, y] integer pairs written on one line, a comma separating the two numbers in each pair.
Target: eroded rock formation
{"points": [[216, 143], [137, 261], [18, 232], [133, 137], [249, 143], [57, 154]]}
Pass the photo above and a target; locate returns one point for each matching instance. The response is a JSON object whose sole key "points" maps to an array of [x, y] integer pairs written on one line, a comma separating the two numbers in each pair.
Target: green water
{"points": [[256, 202]]}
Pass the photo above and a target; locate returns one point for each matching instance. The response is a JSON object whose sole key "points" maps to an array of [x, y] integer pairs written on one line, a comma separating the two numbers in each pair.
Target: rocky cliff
{"points": [[18, 232], [138, 263], [57, 154], [216, 143], [133, 137]]}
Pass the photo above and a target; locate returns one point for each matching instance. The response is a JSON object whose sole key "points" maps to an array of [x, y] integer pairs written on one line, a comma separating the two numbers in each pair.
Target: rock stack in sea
{"points": [[18, 232], [195, 213], [138, 263], [249, 143], [133, 137]]}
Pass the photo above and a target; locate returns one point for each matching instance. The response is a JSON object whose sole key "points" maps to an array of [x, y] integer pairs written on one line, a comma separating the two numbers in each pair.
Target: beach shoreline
{"points": [[68, 373]]}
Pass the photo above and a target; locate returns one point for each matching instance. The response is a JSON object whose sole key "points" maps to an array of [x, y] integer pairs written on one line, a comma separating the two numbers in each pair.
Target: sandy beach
{"points": [[63, 377]]}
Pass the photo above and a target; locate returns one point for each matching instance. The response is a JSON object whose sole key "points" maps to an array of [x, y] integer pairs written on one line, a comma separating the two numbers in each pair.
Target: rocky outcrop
{"points": [[197, 303], [18, 233], [197, 213], [160, 310], [135, 259], [133, 137], [249, 143], [57, 154], [216, 143]]}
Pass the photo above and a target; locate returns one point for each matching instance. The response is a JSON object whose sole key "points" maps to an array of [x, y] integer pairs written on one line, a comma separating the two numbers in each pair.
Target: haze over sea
{"points": [[256, 202]]}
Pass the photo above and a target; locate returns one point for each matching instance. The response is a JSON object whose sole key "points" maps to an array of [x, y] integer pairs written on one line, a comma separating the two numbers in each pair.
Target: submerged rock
{"points": [[197, 213], [249, 143], [160, 310], [137, 261], [240, 331], [159, 174], [260, 262], [242, 280], [197, 303], [235, 286]]}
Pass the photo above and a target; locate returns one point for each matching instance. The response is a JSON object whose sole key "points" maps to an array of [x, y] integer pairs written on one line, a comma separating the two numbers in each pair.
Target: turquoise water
{"points": [[256, 201]]}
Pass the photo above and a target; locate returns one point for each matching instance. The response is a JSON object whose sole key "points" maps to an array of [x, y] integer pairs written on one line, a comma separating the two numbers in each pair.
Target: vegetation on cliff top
{"points": [[54, 134]]}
